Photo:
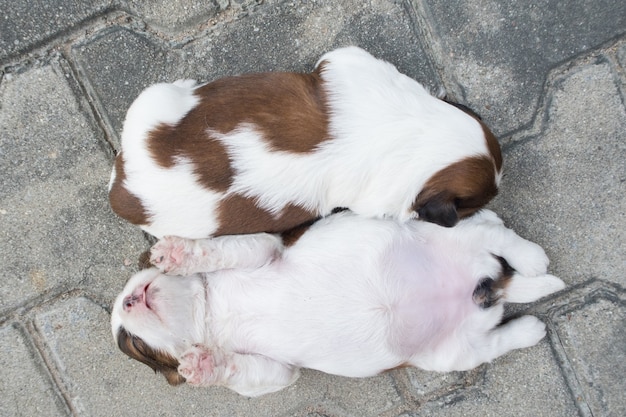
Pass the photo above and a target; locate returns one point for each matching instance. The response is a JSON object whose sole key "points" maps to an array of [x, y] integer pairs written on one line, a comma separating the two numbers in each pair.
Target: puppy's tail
{"points": [[514, 288]]}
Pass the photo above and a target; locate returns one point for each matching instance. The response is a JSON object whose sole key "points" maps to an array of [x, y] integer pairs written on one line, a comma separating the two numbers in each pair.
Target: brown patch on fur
{"points": [[159, 361], [288, 109], [457, 191], [489, 291], [189, 139], [123, 202], [241, 215]]}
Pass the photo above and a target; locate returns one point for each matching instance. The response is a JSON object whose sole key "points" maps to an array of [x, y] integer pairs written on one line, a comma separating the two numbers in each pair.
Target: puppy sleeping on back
{"points": [[267, 152], [353, 296]]}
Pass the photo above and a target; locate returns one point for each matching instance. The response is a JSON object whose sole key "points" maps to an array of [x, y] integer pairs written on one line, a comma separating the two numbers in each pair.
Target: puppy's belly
{"points": [[357, 321], [432, 297]]}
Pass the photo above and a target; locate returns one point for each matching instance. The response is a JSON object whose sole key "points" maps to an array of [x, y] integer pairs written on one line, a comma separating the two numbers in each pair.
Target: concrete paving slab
{"points": [[26, 388], [565, 189], [56, 229], [594, 339], [174, 16], [499, 53], [522, 383], [24, 25]]}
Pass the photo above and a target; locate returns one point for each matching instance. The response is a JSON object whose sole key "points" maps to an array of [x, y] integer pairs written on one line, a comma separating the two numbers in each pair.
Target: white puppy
{"points": [[353, 296], [267, 152]]}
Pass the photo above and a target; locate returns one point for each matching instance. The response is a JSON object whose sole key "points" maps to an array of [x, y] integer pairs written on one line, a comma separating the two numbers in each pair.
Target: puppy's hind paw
{"points": [[173, 255], [527, 331]]}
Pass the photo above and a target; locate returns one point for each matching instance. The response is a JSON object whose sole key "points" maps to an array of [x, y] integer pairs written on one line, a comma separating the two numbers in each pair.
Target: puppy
{"points": [[353, 296], [267, 152]]}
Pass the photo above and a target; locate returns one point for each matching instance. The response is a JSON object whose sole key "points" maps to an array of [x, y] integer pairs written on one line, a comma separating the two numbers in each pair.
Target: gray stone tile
{"points": [[24, 25], [359, 396], [118, 63], [426, 384], [173, 16], [26, 387], [565, 189], [501, 52], [522, 383], [594, 340], [56, 229]]}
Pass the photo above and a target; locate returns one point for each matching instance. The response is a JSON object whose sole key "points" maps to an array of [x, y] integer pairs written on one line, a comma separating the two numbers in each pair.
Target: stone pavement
{"points": [[549, 77]]}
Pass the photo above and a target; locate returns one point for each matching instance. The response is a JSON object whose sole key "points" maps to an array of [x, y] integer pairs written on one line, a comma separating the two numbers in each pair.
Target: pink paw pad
{"points": [[168, 253]]}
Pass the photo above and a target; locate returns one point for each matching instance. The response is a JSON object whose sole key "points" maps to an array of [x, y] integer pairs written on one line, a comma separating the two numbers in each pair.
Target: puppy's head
{"points": [[463, 187], [157, 317]]}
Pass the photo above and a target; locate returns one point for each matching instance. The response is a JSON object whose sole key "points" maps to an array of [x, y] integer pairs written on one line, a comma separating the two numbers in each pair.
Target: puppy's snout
{"points": [[130, 301]]}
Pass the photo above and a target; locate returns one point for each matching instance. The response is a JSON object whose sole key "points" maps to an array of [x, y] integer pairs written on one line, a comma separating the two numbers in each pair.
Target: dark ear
{"points": [[159, 361], [439, 211]]}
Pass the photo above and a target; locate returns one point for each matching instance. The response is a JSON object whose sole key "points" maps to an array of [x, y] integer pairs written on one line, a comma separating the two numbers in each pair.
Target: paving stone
{"points": [[425, 384], [565, 189], [56, 229], [284, 36], [501, 52], [24, 25], [594, 339], [25, 387], [172, 16], [522, 383]]}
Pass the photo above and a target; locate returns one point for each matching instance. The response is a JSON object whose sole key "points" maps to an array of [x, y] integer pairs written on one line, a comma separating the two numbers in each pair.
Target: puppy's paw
{"points": [[527, 331], [198, 366], [528, 259], [173, 255]]}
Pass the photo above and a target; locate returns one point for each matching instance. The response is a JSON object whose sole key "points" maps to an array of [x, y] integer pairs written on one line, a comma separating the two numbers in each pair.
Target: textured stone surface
{"points": [[522, 383], [594, 338], [499, 53], [56, 229], [565, 189], [26, 388], [26, 24]]}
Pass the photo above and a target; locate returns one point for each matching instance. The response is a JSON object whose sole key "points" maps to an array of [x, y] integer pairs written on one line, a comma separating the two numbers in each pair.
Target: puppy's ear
{"points": [[159, 361], [439, 210]]}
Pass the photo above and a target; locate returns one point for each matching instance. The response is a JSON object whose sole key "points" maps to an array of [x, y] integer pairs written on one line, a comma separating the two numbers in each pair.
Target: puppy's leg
{"points": [[522, 289], [177, 256], [481, 347], [486, 230], [519, 333], [249, 375]]}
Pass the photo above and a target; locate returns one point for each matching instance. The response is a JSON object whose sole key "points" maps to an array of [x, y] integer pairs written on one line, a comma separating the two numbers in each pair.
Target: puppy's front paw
{"points": [[529, 259], [173, 255], [198, 366]]}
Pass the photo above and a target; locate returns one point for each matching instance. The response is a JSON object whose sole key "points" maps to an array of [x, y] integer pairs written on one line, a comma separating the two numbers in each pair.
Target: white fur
{"points": [[354, 297], [389, 136]]}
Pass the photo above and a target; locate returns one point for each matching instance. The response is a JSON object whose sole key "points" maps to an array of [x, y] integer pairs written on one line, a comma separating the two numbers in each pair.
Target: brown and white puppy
{"points": [[267, 152], [353, 296]]}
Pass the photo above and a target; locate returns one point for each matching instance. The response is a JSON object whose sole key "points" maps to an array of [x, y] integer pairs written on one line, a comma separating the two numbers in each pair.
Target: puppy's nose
{"points": [[130, 301]]}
